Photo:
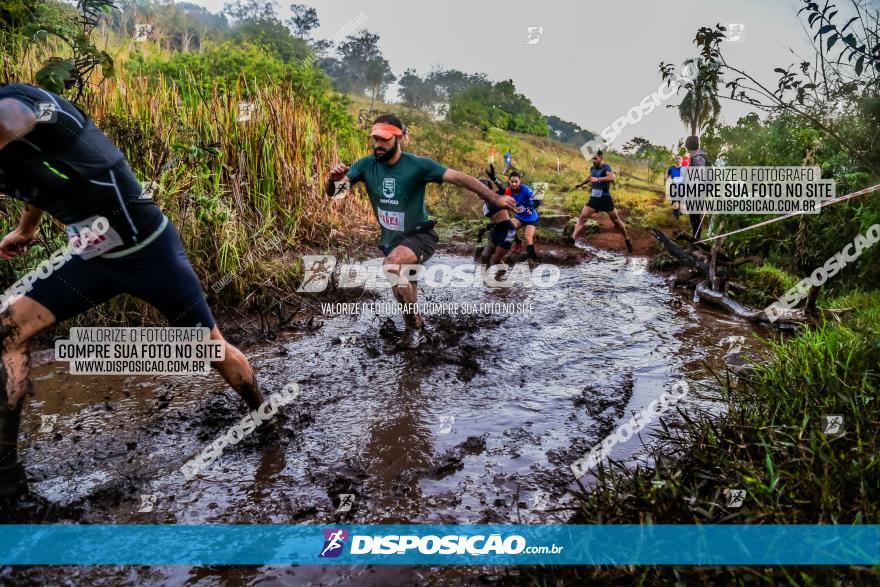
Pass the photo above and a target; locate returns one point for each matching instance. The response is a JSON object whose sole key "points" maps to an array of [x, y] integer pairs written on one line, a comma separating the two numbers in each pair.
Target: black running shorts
{"points": [[502, 234], [601, 204], [160, 274], [423, 244]]}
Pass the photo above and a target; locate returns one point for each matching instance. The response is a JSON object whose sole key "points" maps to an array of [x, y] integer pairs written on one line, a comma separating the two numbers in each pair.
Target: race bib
{"points": [[597, 193], [678, 179], [391, 220], [520, 209], [87, 239]]}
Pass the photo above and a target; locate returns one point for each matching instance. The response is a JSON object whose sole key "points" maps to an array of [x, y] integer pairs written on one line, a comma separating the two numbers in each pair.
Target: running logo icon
{"points": [[334, 541], [832, 425]]}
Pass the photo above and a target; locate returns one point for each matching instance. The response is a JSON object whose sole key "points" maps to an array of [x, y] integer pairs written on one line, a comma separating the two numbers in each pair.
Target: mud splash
{"points": [[477, 426]]}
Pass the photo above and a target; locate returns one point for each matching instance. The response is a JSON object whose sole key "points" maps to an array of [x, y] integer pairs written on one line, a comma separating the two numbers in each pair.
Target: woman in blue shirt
{"points": [[526, 211]]}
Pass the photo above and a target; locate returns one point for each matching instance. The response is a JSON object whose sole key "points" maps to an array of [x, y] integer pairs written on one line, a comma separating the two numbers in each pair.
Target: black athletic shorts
{"points": [[527, 222], [423, 244], [601, 204], [502, 234], [159, 273]]}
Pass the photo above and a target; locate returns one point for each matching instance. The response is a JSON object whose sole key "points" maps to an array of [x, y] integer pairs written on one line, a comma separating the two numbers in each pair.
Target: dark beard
{"points": [[387, 155]]}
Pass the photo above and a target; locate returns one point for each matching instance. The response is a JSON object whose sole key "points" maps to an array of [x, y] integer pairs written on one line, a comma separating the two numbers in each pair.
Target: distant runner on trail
{"points": [[395, 183], [54, 159], [600, 200], [698, 158], [674, 175], [501, 229], [526, 211]]}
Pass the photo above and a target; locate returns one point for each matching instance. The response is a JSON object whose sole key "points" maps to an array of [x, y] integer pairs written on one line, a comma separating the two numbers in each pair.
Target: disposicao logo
{"points": [[334, 541]]}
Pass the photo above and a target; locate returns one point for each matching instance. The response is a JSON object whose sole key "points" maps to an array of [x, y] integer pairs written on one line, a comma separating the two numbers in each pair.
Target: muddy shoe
{"points": [[412, 338], [387, 329], [271, 431], [629, 245], [29, 508], [13, 482]]}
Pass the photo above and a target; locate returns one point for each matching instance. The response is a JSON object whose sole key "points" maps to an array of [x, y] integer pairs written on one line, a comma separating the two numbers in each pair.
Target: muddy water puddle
{"points": [[477, 426]]}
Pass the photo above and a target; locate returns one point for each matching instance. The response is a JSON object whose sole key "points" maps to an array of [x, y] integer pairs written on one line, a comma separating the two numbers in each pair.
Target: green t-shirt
{"points": [[397, 192]]}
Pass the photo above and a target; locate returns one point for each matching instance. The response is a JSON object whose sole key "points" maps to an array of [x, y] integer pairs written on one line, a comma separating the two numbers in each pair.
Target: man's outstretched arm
{"points": [[16, 120], [471, 183]]}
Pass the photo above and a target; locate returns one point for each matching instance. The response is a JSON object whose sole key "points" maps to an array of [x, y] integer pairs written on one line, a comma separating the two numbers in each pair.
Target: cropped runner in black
{"points": [[54, 158]]}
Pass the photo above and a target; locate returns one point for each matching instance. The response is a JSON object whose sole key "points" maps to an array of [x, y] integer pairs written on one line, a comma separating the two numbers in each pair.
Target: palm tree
{"points": [[700, 104]]}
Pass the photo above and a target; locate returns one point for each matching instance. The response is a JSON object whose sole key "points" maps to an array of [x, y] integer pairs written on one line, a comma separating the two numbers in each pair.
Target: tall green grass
{"points": [[769, 441], [230, 187]]}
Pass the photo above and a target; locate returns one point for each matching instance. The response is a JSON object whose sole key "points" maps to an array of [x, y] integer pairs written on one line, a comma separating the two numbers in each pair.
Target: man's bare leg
{"points": [[615, 218], [237, 371], [586, 213], [18, 324], [488, 254], [498, 257], [405, 292]]}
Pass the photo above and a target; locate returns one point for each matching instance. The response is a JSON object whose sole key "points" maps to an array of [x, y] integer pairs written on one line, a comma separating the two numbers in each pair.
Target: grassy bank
{"points": [[770, 442]]}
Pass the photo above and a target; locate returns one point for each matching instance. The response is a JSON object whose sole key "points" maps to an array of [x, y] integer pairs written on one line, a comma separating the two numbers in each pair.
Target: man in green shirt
{"points": [[395, 183]]}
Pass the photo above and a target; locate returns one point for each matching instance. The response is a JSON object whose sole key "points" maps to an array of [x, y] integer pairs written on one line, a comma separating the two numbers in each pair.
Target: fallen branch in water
{"points": [[702, 277], [680, 254], [719, 299]]}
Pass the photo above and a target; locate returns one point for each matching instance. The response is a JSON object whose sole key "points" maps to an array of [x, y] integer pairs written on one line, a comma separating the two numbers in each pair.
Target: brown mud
{"points": [[478, 425]]}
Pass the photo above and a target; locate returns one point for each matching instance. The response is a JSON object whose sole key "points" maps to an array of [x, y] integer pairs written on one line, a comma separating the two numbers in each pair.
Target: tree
{"points": [[304, 20], [15, 14], [840, 81], [449, 82], [568, 132], [637, 147], [499, 105], [375, 77], [359, 53], [272, 36], [59, 74], [700, 105], [417, 92], [259, 10]]}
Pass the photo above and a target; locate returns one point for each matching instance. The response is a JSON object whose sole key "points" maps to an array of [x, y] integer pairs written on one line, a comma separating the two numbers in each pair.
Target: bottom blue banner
{"points": [[440, 544]]}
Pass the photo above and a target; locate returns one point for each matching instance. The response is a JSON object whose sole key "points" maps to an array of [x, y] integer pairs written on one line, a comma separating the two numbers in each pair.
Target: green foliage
{"points": [[272, 36], [765, 284], [499, 105], [785, 140], [231, 68], [568, 132], [304, 20], [15, 14], [768, 440], [64, 73], [360, 66], [57, 75]]}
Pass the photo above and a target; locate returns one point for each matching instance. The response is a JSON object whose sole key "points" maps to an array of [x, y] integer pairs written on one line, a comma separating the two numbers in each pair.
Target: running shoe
{"points": [[412, 338]]}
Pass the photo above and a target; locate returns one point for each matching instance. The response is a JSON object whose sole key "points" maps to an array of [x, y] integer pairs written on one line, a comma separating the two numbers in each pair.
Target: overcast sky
{"points": [[594, 60]]}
